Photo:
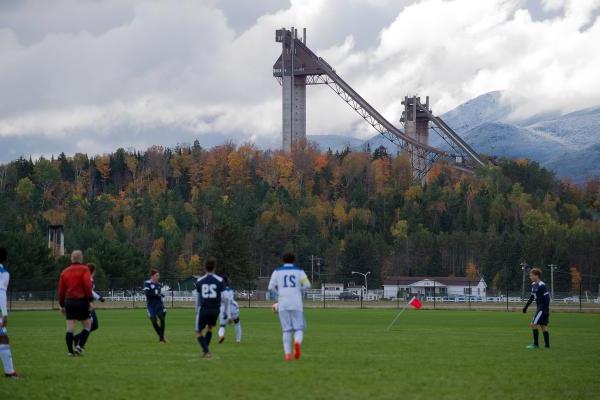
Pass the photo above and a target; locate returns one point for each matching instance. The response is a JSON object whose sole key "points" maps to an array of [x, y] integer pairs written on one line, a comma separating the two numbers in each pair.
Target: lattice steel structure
{"points": [[298, 66]]}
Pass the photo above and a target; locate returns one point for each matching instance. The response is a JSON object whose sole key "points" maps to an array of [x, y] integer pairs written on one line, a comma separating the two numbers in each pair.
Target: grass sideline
{"points": [[347, 355]]}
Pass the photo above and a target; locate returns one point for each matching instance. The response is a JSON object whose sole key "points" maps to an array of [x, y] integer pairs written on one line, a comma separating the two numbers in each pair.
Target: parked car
{"points": [[349, 296]]}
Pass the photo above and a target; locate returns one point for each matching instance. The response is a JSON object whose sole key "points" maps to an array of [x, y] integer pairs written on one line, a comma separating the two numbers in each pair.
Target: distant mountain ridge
{"points": [[567, 144]]}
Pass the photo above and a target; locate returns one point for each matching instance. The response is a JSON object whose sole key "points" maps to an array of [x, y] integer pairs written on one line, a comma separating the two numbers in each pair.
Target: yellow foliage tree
{"points": [[471, 271]]}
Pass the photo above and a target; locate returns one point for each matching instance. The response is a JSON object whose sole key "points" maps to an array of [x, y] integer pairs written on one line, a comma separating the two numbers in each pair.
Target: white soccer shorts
{"points": [[291, 320]]}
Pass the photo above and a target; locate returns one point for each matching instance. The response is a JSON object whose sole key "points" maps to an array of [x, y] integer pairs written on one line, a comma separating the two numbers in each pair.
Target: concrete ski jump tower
{"points": [[298, 66], [292, 67]]}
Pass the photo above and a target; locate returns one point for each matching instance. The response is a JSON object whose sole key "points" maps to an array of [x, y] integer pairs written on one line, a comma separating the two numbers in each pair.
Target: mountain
{"points": [[567, 144], [336, 142], [580, 128], [577, 165]]}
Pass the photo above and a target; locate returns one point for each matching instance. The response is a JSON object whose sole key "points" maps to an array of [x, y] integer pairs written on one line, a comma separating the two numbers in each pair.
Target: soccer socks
{"points": [[208, 338], [203, 344], [83, 337], [238, 332], [162, 328], [536, 335], [156, 327], [547, 339], [298, 337], [69, 340], [287, 342], [6, 357], [222, 331]]}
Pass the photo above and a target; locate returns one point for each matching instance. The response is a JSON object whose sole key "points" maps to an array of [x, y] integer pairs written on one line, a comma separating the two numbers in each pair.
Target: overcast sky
{"points": [[91, 75]]}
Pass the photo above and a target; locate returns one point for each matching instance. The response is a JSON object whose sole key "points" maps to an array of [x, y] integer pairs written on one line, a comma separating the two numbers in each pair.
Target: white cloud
{"points": [[88, 68]]}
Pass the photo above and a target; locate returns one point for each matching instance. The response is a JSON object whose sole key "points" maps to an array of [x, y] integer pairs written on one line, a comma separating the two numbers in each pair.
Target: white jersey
{"points": [[290, 282], [4, 278], [229, 307]]}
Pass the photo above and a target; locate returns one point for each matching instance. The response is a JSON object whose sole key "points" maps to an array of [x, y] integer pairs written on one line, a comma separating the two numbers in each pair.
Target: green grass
{"points": [[347, 355]]}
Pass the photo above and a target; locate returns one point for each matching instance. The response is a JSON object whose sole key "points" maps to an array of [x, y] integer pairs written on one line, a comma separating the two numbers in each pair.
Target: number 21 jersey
{"points": [[289, 281]]}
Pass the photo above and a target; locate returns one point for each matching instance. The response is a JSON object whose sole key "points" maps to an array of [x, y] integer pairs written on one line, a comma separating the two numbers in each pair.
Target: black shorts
{"points": [[539, 318], [206, 317], [77, 309]]}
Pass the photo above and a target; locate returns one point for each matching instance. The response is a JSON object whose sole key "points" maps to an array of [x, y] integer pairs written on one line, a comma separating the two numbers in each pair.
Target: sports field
{"points": [[347, 355]]}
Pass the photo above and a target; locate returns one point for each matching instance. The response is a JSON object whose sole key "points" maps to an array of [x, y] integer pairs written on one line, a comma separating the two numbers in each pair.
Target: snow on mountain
{"points": [[567, 144], [580, 128]]}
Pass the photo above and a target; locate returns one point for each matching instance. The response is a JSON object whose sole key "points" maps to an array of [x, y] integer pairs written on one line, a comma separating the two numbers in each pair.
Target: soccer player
{"points": [[290, 282], [5, 354], [209, 288], [93, 315], [74, 298], [540, 294], [230, 313], [155, 305]]}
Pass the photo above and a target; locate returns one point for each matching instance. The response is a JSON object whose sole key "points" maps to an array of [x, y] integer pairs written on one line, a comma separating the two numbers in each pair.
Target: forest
{"points": [[170, 208]]}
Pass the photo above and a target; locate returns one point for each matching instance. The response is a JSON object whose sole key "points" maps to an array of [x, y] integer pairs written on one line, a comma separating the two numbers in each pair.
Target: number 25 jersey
{"points": [[289, 281]]}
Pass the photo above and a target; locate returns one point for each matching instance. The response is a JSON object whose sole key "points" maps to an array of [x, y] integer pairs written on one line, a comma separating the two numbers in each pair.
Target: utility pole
{"points": [[312, 267], [552, 267], [523, 268]]}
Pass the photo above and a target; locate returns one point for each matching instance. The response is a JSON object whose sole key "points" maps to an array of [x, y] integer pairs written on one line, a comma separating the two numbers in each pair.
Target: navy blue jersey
{"points": [[209, 289], [152, 291], [542, 297]]}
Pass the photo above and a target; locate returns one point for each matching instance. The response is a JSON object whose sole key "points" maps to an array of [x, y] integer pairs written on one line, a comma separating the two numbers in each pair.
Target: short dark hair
{"points": [[210, 264], [537, 272], [153, 272], [3, 254], [92, 267], [289, 258]]}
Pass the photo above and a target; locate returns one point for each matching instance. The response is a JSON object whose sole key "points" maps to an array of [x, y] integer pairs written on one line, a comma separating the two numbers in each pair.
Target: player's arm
{"points": [[3, 304], [546, 303], [61, 291], [87, 285], [304, 281], [531, 298], [97, 296], [273, 282]]}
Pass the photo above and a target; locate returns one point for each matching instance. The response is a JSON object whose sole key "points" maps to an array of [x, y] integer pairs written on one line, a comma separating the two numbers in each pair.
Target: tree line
{"points": [[351, 211]]}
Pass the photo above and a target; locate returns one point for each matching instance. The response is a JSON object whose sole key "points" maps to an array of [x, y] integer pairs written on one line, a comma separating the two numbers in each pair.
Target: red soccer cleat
{"points": [[288, 357], [297, 350], [12, 375]]}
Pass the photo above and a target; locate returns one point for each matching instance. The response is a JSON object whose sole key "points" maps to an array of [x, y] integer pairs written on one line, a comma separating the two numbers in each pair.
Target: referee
{"points": [[74, 297]]}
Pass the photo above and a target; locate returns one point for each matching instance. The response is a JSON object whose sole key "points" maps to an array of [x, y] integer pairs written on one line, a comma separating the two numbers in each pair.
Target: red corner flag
{"points": [[416, 303]]}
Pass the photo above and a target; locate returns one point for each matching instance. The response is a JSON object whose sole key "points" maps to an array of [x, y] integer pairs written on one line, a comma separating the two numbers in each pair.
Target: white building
{"points": [[332, 289], [448, 286]]}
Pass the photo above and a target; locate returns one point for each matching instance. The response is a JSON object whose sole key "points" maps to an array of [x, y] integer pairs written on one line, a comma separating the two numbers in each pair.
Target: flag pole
{"points": [[398, 316]]}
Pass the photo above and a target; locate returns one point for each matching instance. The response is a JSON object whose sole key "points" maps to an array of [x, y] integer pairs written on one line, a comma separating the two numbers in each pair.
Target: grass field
{"points": [[347, 355]]}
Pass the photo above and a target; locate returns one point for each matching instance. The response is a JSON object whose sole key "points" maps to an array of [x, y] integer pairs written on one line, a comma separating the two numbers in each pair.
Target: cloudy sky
{"points": [[93, 75]]}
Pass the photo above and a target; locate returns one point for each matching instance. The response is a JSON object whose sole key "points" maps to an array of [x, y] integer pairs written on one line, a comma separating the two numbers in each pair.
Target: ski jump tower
{"points": [[298, 66]]}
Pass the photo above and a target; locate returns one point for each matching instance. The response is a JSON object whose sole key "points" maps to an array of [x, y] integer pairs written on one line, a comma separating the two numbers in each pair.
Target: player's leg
{"points": [[162, 316], [94, 318], [223, 323], [5, 355], [69, 335], [154, 319], [200, 328], [238, 330], [534, 330], [83, 336], [298, 325], [544, 325], [285, 319]]}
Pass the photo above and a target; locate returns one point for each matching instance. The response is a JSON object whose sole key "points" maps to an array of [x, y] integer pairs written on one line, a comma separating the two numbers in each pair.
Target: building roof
{"points": [[445, 280]]}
